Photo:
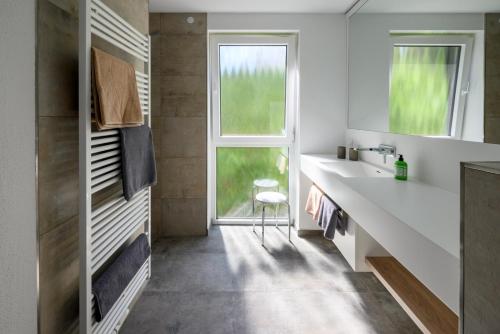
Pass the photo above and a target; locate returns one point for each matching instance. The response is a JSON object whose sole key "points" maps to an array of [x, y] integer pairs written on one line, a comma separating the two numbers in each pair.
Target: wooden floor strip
{"points": [[429, 313]]}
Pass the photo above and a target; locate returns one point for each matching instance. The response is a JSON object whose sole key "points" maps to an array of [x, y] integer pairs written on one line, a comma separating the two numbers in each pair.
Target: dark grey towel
{"points": [[330, 218], [110, 285], [342, 222], [138, 159]]}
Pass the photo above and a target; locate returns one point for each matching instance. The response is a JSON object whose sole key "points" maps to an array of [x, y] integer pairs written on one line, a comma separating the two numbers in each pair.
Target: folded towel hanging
{"points": [[110, 285], [331, 218], [116, 99], [313, 202], [138, 159]]}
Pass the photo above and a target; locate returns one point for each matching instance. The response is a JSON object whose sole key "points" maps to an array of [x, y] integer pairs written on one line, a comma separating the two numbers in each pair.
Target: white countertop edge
{"points": [[444, 226]]}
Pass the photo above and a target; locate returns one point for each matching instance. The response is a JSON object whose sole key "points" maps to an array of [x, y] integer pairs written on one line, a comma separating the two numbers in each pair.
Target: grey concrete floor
{"points": [[228, 283]]}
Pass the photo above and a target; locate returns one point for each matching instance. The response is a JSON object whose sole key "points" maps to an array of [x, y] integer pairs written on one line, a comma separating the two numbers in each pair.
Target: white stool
{"points": [[265, 185], [272, 198]]}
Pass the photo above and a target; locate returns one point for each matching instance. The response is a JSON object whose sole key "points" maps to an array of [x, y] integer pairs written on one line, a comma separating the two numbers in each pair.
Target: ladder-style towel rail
{"points": [[97, 134], [104, 178], [106, 162], [114, 203], [126, 27], [113, 29], [102, 255], [97, 149], [112, 221], [106, 227], [103, 155], [105, 140]]}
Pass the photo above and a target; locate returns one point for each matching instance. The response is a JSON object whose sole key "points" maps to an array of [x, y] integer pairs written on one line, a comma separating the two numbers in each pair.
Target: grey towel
{"points": [[138, 159], [330, 218], [341, 221], [110, 285]]}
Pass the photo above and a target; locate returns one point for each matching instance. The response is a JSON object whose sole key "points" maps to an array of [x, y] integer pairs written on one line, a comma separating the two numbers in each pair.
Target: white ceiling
{"points": [[251, 6], [431, 6]]}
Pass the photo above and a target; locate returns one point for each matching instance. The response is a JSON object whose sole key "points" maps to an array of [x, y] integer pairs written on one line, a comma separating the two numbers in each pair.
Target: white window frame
{"points": [[465, 42], [291, 106]]}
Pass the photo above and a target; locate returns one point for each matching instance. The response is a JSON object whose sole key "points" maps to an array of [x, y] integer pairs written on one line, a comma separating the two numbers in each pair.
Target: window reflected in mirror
{"points": [[426, 70], [423, 89]]}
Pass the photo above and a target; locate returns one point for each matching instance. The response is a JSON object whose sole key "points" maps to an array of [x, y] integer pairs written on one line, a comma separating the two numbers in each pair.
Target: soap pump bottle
{"points": [[401, 169]]}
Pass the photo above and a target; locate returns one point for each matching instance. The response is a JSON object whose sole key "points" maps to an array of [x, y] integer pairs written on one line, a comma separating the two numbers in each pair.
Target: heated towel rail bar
{"points": [[106, 227]]}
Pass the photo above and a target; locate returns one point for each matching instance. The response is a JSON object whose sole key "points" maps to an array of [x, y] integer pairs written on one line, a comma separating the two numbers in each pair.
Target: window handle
{"points": [[467, 89]]}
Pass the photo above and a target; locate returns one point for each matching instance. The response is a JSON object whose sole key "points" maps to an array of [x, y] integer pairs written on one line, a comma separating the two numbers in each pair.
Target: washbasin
{"points": [[354, 169]]}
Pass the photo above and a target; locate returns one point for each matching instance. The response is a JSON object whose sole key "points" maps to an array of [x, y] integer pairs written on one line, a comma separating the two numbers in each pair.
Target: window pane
{"points": [[252, 89], [237, 168], [422, 91]]}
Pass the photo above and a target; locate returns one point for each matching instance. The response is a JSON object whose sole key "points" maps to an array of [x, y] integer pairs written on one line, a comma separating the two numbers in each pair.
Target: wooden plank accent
{"points": [[429, 313]]}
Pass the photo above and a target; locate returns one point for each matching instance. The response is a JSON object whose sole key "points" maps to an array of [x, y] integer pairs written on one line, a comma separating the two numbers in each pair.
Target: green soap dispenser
{"points": [[401, 169]]}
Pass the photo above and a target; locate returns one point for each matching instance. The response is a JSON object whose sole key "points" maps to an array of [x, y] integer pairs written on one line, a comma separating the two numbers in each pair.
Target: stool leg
{"points": [[263, 217], [276, 210], [253, 208], [289, 221]]}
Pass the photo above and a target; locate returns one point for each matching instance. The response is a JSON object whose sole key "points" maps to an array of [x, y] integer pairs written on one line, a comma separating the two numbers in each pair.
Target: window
{"points": [[253, 81], [252, 89], [428, 85], [237, 167]]}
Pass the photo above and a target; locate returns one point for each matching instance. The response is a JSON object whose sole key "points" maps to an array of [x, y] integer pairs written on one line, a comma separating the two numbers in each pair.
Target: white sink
{"points": [[354, 169]]}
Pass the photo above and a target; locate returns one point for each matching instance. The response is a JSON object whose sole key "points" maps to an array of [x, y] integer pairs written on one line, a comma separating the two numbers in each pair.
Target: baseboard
{"points": [[308, 233]]}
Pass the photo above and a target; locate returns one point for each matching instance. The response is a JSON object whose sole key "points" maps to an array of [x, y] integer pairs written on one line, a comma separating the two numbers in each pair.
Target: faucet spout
{"points": [[382, 149]]}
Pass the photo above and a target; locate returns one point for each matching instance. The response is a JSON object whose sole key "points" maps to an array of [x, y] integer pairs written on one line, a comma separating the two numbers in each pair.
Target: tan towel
{"points": [[313, 202], [116, 100]]}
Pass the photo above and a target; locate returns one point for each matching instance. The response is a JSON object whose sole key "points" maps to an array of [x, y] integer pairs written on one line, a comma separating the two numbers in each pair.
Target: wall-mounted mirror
{"points": [[426, 68]]}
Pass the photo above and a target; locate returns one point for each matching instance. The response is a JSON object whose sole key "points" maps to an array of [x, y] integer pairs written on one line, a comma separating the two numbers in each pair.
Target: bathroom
{"points": [[304, 167]]}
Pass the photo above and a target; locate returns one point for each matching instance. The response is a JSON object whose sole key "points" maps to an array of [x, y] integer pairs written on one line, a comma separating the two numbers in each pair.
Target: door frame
{"points": [[215, 140]]}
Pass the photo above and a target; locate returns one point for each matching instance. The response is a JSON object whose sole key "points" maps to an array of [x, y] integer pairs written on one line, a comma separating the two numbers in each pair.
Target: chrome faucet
{"points": [[383, 149]]}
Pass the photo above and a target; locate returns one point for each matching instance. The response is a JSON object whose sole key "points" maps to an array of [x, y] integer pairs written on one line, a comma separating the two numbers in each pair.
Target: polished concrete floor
{"points": [[228, 283]]}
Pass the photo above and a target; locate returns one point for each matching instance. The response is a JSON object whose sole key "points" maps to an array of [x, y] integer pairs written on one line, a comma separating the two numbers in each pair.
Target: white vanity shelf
{"points": [[415, 223]]}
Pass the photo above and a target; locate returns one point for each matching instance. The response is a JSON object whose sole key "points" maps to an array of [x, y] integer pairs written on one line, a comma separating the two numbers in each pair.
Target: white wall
{"points": [[370, 50], [323, 77], [431, 160], [18, 309]]}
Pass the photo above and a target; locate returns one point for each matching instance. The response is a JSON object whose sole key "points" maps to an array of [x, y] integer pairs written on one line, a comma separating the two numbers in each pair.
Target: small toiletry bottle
{"points": [[400, 169]]}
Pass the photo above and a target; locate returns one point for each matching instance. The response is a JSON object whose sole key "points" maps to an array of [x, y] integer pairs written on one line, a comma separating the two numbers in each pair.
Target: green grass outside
{"points": [[251, 104], [419, 92]]}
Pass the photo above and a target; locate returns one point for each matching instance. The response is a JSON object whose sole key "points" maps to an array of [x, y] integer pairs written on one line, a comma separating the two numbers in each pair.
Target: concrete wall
{"points": [[323, 77], [57, 100], [58, 153], [179, 101], [18, 296]]}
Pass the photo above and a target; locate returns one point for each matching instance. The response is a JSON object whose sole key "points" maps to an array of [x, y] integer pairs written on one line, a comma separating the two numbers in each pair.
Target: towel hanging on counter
{"points": [[116, 99], [112, 282], [331, 218], [138, 160], [313, 202]]}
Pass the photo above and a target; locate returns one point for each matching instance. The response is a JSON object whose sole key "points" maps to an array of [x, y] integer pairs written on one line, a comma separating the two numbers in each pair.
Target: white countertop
{"points": [[416, 223], [431, 211]]}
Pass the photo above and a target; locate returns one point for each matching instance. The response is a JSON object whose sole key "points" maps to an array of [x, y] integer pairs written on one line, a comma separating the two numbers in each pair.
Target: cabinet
{"points": [[480, 248]]}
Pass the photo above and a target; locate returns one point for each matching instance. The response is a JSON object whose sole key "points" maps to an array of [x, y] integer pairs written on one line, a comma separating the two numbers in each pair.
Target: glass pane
{"points": [[422, 91], [238, 167], [252, 89]]}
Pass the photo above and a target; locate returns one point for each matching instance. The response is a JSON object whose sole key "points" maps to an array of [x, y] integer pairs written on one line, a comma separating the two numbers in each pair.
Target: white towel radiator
{"points": [[105, 228]]}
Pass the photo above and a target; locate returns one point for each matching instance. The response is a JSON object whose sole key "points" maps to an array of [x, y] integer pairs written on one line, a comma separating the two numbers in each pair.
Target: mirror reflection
{"points": [[427, 70]]}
